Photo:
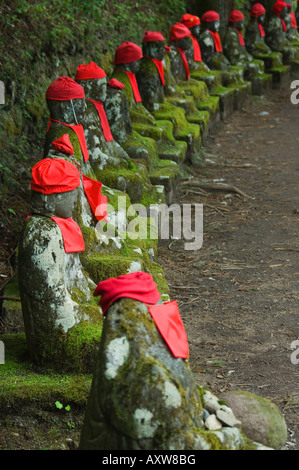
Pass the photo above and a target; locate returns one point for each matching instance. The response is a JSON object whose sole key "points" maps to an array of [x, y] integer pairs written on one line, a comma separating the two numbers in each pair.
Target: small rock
{"points": [[212, 423], [226, 416]]}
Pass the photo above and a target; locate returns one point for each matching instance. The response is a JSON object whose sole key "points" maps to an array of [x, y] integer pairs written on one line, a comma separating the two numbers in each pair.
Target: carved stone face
{"points": [[240, 25], [95, 89], [68, 111], [261, 19], [195, 31], [284, 12], [131, 66], [154, 49], [183, 43], [54, 205]]}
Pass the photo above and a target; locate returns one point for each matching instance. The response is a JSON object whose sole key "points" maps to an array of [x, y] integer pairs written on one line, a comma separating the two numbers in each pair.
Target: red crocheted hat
{"points": [[89, 71], [127, 52], [53, 175], [64, 88]]}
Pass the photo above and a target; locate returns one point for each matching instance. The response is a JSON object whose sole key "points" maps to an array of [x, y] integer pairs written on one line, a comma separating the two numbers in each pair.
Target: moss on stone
{"points": [[22, 386]]}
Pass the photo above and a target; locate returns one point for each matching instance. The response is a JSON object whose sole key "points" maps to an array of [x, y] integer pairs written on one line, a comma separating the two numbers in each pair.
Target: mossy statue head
{"points": [[127, 57], [54, 205], [54, 187], [95, 89], [66, 100], [67, 111], [154, 49], [93, 79]]}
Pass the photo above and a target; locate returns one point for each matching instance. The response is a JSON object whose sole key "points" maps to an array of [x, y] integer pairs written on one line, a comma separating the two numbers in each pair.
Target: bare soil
{"points": [[238, 294]]}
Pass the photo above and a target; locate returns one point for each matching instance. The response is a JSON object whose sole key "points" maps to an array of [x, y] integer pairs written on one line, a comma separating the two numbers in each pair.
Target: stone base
{"points": [[226, 101], [166, 174], [281, 76], [242, 94], [261, 84], [294, 69]]}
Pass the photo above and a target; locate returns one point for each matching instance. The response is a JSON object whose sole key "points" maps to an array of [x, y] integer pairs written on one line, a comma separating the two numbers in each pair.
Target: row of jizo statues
{"points": [[124, 127]]}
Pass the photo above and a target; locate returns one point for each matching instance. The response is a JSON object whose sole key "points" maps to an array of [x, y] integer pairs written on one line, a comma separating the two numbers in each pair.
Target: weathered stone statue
{"points": [[291, 24], [109, 161], [192, 22], [151, 83], [234, 47], [143, 394], [276, 37], [255, 33], [210, 42], [54, 289], [103, 149]]}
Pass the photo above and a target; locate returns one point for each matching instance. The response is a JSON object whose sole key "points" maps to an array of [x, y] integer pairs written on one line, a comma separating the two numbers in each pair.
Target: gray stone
{"points": [[261, 419], [212, 423], [226, 416]]}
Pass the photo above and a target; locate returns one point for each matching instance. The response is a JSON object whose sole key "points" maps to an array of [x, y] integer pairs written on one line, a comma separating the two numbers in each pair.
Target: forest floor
{"points": [[238, 295]]}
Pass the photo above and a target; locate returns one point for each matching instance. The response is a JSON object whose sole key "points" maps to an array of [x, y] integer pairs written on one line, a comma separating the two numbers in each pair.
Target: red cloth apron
{"points": [[283, 24], [71, 234], [185, 62], [97, 201], [103, 118], [293, 20], [196, 50], [134, 85], [217, 41], [159, 65], [241, 39], [262, 32], [78, 129], [169, 323]]}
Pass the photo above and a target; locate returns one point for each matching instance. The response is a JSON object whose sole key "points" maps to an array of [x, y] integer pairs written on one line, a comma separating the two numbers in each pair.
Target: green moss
{"points": [[159, 278], [22, 386], [211, 105]]}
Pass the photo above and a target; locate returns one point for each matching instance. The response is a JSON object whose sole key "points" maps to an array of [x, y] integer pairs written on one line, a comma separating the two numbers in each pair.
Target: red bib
{"points": [[293, 20], [283, 24], [196, 50], [217, 41], [97, 201], [169, 323], [185, 62], [71, 234], [134, 86], [241, 39], [103, 118], [159, 65], [79, 131], [262, 32]]}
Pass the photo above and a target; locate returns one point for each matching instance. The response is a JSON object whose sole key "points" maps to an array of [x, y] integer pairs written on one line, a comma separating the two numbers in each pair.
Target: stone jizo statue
{"points": [[143, 394], [192, 22], [234, 47], [54, 289], [255, 32], [210, 42], [276, 36], [102, 147]]}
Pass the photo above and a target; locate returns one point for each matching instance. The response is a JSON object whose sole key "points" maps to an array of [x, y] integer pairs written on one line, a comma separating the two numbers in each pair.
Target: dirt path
{"points": [[238, 295]]}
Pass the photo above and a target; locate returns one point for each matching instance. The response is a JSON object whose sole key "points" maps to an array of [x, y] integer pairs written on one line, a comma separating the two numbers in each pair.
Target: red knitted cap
{"points": [[127, 52], [89, 71], [113, 83], [53, 175], [138, 285], [63, 144], [179, 31], [278, 6], [236, 15], [190, 20], [150, 36], [64, 88], [210, 16], [257, 10]]}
